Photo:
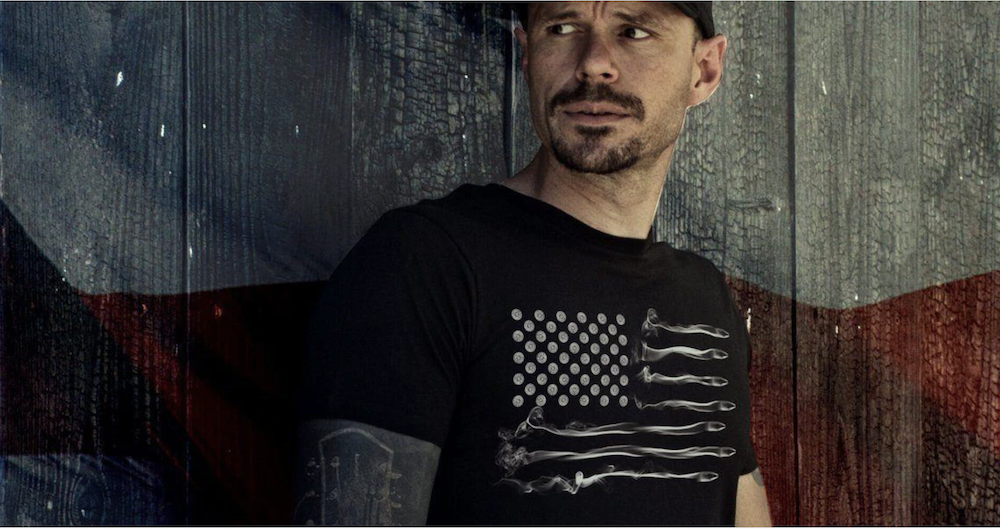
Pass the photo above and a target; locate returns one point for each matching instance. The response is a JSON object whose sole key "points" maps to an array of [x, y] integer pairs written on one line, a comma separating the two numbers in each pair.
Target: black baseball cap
{"points": [[701, 12]]}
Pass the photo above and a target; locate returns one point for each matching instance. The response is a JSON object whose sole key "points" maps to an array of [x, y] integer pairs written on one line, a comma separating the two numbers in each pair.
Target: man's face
{"points": [[609, 81]]}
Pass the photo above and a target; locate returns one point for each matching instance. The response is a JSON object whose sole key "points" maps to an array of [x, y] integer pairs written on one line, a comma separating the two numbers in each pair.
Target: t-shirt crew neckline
{"points": [[551, 214]]}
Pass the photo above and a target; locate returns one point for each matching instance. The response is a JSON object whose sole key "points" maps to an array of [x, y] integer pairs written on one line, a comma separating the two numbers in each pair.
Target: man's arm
{"points": [[350, 473], [751, 501]]}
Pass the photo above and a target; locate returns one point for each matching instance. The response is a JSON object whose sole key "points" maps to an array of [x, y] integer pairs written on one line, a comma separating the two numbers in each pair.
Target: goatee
{"points": [[591, 156]]}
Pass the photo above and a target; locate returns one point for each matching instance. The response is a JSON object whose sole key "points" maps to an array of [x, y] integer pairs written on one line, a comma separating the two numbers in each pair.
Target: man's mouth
{"points": [[595, 118], [590, 113], [595, 109]]}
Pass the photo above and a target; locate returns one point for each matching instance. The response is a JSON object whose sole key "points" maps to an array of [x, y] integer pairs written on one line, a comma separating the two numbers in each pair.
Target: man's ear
{"points": [[522, 38], [707, 68]]}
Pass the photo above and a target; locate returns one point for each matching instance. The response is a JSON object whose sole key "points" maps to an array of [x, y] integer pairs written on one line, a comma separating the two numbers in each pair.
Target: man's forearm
{"points": [[751, 501], [350, 473]]}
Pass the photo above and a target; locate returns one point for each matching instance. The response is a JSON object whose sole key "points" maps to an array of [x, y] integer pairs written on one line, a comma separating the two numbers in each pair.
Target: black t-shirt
{"points": [[569, 376]]}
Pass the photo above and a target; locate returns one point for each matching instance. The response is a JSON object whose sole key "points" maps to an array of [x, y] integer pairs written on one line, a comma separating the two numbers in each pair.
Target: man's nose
{"points": [[596, 64]]}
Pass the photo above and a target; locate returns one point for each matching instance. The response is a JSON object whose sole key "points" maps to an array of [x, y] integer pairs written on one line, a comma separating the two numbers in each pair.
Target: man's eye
{"points": [[561, 29], [636, 33]]}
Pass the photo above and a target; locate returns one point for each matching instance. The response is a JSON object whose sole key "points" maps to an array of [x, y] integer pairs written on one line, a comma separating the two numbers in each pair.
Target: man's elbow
{"points": [[751, 501]]}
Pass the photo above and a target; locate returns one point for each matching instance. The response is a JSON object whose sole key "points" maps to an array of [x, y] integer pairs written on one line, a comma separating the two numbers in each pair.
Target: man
{"points": [[525, 353]]}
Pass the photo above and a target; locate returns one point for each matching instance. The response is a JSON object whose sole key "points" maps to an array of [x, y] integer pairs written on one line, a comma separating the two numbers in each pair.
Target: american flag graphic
{"points": [[576, 360]]}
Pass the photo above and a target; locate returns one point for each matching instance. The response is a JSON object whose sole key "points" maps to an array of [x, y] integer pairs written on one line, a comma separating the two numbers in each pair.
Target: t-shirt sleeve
{"points": [[750, 457], [386, 340]]}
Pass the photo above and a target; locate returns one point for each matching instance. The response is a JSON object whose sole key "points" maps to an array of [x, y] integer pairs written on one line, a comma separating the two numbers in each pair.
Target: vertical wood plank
{"points": [[896, 191], [91, 194], [271, 134], [269, 199], [524, 139], [960, 463], [960, 199], [427, 100], [855, 106]]}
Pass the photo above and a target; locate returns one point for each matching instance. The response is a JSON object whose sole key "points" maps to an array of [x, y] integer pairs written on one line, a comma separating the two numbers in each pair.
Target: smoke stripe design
{"points": [[536, 422], [650, 354], [652, 327], [649, 377], [704, 407], [512, 458], [561, 484]]}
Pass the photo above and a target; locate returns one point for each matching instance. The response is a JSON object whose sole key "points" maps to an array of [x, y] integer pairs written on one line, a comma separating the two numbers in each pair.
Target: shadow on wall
{"points": [[119, 408]]}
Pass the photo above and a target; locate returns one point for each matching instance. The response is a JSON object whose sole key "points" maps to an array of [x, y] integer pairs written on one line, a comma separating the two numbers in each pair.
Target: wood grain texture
{"points": [[959, 133], [523, 139], [269, 196], [937, 346], [726, 195], [427, 102], [769, 318], [895, 149], [93, 160], [91, 194], [896, 192], [960, 382], [269, 192], [960, 199], [855, 161], [858, 411]]}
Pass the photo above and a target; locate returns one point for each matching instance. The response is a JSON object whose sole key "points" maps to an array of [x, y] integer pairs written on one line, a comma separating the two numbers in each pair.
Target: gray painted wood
{"points": [[897, 118], [726, 196], [896, 164], [427, 100], [92, 165], [523, 138], [91, 190], [271, 120]]}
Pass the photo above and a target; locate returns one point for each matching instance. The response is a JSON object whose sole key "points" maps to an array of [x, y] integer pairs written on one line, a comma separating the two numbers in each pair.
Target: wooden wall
{"points": [[178, 179]]}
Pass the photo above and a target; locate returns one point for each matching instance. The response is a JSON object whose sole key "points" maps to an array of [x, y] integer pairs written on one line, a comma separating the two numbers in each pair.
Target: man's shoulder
{"points": [[467, 207], [689, 260], [467, 200], [453, 222]]}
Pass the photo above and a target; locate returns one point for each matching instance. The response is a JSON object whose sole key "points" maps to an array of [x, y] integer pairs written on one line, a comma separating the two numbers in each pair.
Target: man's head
{"points": [[610, 82], [701, 12]]}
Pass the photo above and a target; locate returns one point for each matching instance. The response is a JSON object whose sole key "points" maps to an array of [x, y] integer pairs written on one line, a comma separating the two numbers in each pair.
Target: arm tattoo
{"points": [[758, 477], [350, 473]]}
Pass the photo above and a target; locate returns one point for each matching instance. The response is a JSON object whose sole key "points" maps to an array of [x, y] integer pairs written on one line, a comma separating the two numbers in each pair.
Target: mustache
{"points": [[598, 93]]}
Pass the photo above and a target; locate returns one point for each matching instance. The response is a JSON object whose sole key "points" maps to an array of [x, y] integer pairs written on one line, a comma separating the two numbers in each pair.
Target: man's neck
{"points": [[621, 204]]}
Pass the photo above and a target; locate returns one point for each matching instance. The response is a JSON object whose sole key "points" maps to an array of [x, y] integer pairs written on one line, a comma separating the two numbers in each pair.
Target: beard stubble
{"points": [[591, 155]]}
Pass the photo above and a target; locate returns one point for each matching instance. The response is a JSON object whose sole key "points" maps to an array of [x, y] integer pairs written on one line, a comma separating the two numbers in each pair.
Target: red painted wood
{"points": [[245, 354], [863, 372], [769, 316]]}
